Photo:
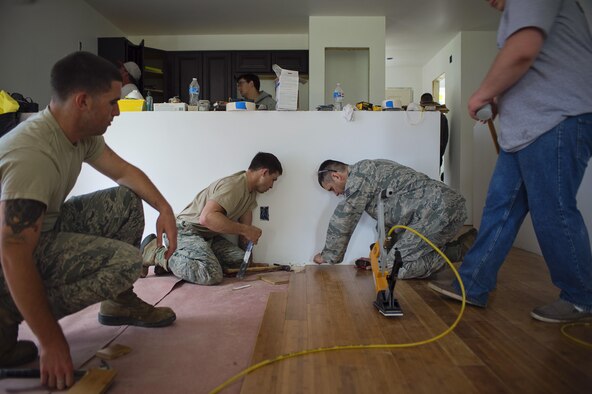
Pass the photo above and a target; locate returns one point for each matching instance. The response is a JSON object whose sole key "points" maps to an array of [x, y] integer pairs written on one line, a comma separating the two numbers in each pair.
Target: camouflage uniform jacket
{"points": [[415, 196]]}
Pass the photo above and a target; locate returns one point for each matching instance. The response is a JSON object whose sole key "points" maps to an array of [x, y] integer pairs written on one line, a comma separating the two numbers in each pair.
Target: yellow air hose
{"points": [[390, 345], [361, 347]]}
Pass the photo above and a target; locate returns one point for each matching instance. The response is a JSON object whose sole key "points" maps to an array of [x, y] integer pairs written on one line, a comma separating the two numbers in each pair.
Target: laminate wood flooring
{"points": [[500, 349]]}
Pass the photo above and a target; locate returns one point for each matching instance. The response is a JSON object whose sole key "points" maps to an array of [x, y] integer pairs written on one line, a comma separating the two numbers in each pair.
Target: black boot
{"points": [[12, 352]]}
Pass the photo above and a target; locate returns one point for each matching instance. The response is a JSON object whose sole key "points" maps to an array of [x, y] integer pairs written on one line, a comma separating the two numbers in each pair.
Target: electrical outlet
{"points": [[264, 213]]}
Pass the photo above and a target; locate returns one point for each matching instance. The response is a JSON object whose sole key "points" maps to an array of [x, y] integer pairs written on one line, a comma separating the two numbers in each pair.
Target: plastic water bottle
{"points": [[149, 102], [338, 97], [194, 92]]}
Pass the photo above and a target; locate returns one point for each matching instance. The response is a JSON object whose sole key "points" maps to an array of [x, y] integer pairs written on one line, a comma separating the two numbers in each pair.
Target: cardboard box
{"points": [[170, 107]]}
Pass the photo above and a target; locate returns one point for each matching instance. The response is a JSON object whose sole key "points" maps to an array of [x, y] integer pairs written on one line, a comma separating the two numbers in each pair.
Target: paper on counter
{"points": [[286, 89]]}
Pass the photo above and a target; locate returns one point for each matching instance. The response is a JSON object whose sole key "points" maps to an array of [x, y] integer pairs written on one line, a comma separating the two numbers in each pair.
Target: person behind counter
{"points": [[130, 74], [248, 86]]}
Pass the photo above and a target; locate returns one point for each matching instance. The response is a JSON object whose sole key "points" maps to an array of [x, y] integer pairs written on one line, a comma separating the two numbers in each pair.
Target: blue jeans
{"points": [[542, 178]]}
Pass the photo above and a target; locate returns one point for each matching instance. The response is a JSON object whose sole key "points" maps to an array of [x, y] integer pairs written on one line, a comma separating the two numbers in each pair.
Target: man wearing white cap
{"points": [[130, 73]]}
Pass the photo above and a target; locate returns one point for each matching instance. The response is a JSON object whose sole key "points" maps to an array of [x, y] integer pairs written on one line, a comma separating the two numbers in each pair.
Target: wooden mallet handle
{"points": [[485, 113]]}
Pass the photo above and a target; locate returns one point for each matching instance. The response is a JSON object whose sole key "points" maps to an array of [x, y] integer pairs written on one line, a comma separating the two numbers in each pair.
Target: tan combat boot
{"points": [[128, 309], [457, 249], [153, 255], [12, 352]]}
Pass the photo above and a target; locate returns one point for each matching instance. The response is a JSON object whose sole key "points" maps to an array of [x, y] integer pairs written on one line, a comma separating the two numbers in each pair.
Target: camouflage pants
{"points": [[199, 260], [90, 255], [440, 226]]}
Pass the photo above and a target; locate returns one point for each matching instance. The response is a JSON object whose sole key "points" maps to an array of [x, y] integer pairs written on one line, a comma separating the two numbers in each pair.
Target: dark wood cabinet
{"points": [[216, 71], [217, 76], [211, 68], [251, 62], [185, 66], [152, 63], [154, 74], [120, 49], [166, 74], [291, 60]]}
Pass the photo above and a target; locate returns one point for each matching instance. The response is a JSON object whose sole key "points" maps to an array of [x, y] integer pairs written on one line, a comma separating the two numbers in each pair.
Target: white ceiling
{"points": [[415, 29]]}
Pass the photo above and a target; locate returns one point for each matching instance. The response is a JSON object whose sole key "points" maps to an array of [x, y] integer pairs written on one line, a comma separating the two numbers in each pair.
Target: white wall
{"points": [[405, 77], [349, 68], [34, 35], [183, 152], [346, 32], [228, 42], [456, 175]]}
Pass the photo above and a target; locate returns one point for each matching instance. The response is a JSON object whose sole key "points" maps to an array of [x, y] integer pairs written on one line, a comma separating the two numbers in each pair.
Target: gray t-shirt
{"points": [[266, 100], [559, 82]]}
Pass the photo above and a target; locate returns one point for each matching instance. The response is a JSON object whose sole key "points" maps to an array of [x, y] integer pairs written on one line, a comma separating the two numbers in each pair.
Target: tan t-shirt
{"points": [[230, 192], [38, 162]]}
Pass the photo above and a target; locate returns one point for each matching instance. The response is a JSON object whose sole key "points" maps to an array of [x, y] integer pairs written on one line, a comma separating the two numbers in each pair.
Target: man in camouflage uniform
{"points": [[428, 206], [56, 257], [224, 207]]}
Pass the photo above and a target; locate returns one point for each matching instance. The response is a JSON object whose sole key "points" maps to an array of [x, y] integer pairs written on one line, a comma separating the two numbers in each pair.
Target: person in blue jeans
{"points": [[540, 83]]}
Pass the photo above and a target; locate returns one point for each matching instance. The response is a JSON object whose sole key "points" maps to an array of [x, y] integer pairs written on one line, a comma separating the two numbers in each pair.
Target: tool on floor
{"points": [[7, 373], [243, 268], [36, 373], [485, 113], [384, 283], [259, 269], [241, 287], [283, 267]]}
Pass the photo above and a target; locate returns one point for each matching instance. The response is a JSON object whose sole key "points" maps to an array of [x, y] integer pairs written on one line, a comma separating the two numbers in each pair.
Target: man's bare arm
{"points": [[511, 63], [125, 174], [213, 216], [247, 219]]}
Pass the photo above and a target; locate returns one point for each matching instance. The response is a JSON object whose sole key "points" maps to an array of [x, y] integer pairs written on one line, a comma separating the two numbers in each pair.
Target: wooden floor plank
{"points": [[499, 349], [296, 307], [271, 332]]}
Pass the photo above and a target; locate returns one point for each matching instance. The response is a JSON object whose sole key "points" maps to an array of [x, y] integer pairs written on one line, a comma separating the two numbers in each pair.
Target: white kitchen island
{"points": [[183, 152]]}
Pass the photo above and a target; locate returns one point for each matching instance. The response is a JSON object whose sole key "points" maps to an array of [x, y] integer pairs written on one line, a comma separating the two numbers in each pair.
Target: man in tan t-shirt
{"points": [[57, 256], [224, 207]]}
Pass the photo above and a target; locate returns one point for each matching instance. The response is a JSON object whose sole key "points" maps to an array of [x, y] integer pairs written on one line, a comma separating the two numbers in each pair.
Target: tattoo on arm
{"points": [[21, 214]]}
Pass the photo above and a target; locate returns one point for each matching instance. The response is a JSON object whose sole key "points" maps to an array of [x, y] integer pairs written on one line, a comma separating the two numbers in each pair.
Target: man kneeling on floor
{"points": [[426, 205], [224, 207], [57, 258]]}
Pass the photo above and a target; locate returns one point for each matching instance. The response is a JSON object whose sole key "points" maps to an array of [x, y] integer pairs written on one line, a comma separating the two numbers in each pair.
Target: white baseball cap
{"points": [[133, 70]]}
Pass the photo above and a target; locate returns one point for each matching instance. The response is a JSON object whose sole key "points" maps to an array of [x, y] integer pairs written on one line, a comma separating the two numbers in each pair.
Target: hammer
{"points": [[485, 114], [36, 373]]}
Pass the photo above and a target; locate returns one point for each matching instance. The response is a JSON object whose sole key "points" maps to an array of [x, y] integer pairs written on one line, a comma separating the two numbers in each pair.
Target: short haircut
{"points": [[251, 78], [426, 98], [267, 161], [82, 71], [329, 166]]}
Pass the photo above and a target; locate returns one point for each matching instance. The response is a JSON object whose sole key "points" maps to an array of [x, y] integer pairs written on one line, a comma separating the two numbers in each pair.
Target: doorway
{"points": [[439, 94]]}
